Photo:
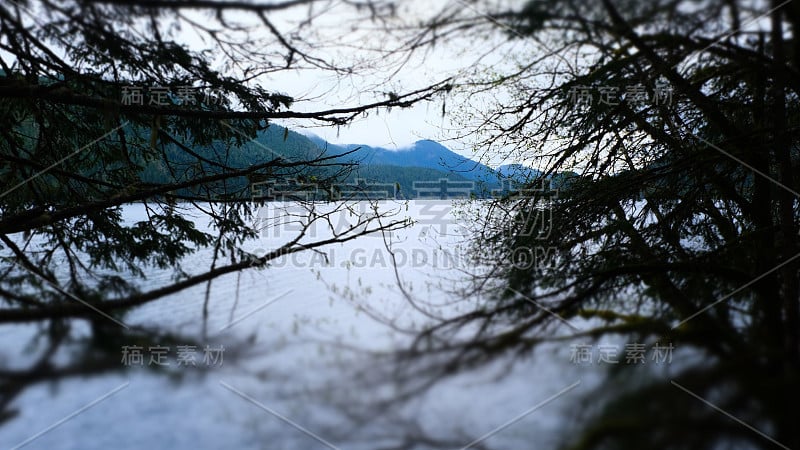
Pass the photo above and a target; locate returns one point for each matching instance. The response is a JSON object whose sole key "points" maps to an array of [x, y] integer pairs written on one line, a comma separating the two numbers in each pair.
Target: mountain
{"points": [[414, 173], [425, 153], [425, 169]]}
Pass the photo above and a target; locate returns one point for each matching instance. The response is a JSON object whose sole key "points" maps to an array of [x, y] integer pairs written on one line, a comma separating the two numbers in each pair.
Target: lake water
{"points": [[299, 358]]}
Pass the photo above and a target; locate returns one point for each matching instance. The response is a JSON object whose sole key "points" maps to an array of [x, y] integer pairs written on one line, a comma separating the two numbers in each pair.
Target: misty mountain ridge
{"points": [[423, 169], [424, 153]]}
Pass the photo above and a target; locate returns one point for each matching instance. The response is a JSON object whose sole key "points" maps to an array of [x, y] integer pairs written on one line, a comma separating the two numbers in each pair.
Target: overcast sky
{"points": [[461, 58], [341, 34]]}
